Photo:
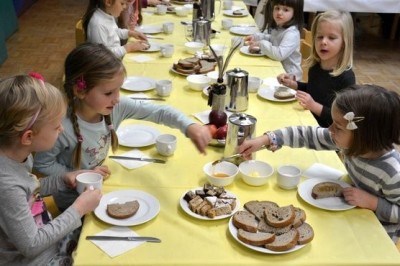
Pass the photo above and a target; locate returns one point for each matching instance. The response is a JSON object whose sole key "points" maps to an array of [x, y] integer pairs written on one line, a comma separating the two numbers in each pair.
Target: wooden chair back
{"points": [[79, 33]]}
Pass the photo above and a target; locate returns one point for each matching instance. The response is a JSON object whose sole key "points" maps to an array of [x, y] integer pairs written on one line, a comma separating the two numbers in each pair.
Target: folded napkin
{"points": [[140, 58], [323, 171], [115, 248], [130, 164], [203, 116]]}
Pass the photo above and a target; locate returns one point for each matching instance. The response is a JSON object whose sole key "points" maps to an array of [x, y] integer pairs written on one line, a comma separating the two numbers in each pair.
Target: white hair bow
{"points": [[351, 120]]}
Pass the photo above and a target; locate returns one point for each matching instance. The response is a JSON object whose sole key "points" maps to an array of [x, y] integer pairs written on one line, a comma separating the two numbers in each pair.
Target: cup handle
{"points": [[169, 147]]}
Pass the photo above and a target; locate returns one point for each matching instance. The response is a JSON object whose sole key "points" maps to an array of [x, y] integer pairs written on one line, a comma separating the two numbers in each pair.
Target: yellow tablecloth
{"points": [[353, 237]]}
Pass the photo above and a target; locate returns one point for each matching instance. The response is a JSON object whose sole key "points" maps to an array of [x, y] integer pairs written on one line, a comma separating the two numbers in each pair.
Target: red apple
{"points": [[221, 132], [213, 129], [218, 118]]}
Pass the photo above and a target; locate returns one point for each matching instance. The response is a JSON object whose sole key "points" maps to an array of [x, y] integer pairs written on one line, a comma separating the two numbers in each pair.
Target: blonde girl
{"points": [[366, 134], [281, 38], [330, 65], [93, 78], [31, 112], [99, 24]]}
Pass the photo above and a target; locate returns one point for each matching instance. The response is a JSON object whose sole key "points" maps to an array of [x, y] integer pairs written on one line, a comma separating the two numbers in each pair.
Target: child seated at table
{"points": [[93, 78], [330, 65], [31, 112], [99, 24], [281, 39], [365, 128]]}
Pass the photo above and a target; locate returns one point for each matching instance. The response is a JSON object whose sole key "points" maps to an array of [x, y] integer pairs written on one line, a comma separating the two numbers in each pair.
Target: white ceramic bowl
{"points": [[198, 82], [193, 47], [213, 172], [189, 7], [213, 75], [181, 11], [255, 173], [288, 176]]}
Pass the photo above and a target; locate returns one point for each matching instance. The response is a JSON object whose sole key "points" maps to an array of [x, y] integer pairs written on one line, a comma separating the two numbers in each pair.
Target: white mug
{"points": [[227, 4], [288, 176], [254, 84], [226, 23], [167, 50], [88, 180], [164, 87], [166, 144], [168, 27], [161, 9]]}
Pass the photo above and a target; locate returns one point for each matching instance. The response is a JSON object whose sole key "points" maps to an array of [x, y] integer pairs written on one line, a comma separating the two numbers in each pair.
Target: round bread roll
{"points": [[123, 210], [254, 49]]}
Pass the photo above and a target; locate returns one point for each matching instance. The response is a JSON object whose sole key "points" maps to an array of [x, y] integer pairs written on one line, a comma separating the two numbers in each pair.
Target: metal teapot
{"points": [[240, 127], [237, 99], [202, 31], [207, 8]]}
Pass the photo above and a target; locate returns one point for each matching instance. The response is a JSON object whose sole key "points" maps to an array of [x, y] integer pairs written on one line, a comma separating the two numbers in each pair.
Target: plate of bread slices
{"points": [[209, 202], [266, 227], [277, 93], [236, 13], [193, 65], [127, 207], [324, 194]]}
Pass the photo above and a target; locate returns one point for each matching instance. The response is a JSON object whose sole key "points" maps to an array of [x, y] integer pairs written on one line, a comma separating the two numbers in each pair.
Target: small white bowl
{"points": [[213, 75], [189, 7], [288, 176], [193, 47], [255, 173], [198, 82], [227, 168], [181, 11]]}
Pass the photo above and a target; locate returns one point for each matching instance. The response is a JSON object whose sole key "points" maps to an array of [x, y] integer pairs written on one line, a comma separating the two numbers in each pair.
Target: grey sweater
{"points": [[22, 242]]}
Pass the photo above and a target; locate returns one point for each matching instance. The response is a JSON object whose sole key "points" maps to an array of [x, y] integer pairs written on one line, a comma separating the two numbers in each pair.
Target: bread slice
{"points": [[285, 241], [326, 190], [255, 239], [300, 217], [280, 217], [123, 210], [206, 66], [223, 210], [245, 220], [283, 93], [266, 228], [258, 207], [306, 234]]}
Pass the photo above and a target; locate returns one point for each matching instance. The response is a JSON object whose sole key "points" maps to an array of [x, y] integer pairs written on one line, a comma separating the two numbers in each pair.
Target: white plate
{"points": [[179, 73], [233, 230], [138, 84], [243, 30], [268, 94], [230, 13], [137, 135], [185, 206], [150, 29], [331, 204], [154, 47], [148, 209], [318, 170], [245, 50]]}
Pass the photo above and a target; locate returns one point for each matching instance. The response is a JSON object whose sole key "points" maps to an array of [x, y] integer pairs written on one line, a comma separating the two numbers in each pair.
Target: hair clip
{"points": [[81, 83], [36, 75], [111, 127], [351, 120], [80, 138]]}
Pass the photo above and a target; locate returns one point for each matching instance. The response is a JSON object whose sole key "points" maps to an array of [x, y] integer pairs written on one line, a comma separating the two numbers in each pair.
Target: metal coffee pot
{"points": [[237, 99], [202, 30], [240, 127], [207, 8]]}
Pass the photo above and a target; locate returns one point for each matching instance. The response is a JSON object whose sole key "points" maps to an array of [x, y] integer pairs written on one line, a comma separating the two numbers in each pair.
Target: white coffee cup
{"points": [[88, 180], [288, 176], [161, 9], [166, 144], [254, 84], [167, 50], [226, 23], [168, 27], [164, 87], [227, 4]]}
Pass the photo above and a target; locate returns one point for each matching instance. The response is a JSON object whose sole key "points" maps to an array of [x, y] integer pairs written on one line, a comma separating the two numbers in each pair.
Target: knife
{"points": [[244, 26], [140, 98], [136, 159], [125, 238], [152, 37]]}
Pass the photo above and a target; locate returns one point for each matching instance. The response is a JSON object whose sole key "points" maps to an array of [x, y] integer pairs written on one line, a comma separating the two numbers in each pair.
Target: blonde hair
{"points": [[345, 21], [26, 103]]}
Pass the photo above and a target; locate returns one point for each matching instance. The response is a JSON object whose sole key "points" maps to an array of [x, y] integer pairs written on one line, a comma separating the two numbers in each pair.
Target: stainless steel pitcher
{"points": [[202, 30], [240, 127], [207, 8], [237, 99]]}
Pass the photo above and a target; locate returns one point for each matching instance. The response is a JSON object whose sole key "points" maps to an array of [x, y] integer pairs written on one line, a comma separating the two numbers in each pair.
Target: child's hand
{"points": [[70, 178], [357, 197], [200, 136], [288, 80], [252, 145], [87, 201], [307, 101], [137, 35], [103, 170], [136, 46], [248, 39]]}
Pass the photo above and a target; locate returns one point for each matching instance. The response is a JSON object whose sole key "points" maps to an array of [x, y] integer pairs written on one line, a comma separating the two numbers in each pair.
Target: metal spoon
{"points": [[227, 158]]}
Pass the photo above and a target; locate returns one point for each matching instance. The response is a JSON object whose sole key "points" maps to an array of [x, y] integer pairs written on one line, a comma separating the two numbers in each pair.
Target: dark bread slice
{"points": [[245, 220], [266, 228], [254, 49], [283, 93], [326, 190], [285, 241], [280, 217], [123, 210], [300, 217], [255, 239], [258, 207], [193, 60], [206, 66], [306, 234], [186, 64]]}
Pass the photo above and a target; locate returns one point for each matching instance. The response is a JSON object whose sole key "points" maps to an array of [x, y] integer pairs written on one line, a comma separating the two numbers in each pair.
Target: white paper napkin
{"points": [[141, 58], [130, 164], [203, 116], [115, 248], [323, 171]]}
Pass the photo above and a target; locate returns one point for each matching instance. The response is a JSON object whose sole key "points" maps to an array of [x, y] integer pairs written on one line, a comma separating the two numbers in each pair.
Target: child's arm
{"points": [[200, 136], [307, 101], [290, 43]]}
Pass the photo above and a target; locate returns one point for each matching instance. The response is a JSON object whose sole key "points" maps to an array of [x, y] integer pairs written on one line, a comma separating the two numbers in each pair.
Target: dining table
{"points": [[348, 236]]}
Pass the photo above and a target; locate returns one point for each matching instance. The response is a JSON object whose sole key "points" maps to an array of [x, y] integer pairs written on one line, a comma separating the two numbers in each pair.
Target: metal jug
{"points": [[240, 127], [237, 99], [207, 8], [202, 31]]}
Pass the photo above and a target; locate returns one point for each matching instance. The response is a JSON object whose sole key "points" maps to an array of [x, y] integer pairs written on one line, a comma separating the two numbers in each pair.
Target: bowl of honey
{"points": [[221, 174], [255, 172]]}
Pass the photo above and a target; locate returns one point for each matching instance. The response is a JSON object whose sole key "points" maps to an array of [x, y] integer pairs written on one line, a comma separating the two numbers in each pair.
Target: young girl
{"points": [[99, 24], [93, 78], [281, 40], [31, 112], [330, 65], [131, 16], [365, 128]]}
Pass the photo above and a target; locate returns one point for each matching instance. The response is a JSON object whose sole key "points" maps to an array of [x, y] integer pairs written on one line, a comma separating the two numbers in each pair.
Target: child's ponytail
{"points": [[114, 137]]}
